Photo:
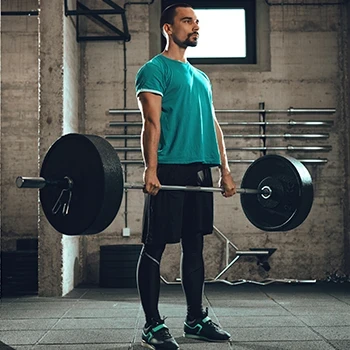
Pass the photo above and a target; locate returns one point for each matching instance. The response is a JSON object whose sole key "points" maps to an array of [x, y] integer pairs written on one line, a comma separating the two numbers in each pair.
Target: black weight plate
{"points": [[98, 185], [292, 193]]}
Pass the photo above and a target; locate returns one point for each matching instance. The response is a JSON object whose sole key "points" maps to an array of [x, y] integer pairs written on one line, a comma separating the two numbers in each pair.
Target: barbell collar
{"points": [[30, 182]]}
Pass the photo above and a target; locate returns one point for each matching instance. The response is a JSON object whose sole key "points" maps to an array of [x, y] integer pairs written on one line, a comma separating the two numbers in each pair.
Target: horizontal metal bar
{"points": [[243, 281], [271, 148], [252, 252], [139, 186], [286, 148], [128, 149], [289, 111], [20, 13], [104, 38], [314, 161], [94, 12], [121, 137], [289, 122], [275, 136], [231, 161], [252, 136], [282, 148]]}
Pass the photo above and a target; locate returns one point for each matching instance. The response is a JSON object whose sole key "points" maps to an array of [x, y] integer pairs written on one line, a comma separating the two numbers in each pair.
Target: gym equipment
{"points": [[81, 187]]}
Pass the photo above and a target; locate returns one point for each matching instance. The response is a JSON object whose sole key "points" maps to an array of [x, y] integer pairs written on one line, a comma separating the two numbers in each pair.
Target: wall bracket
{"points": [[95, 15]]}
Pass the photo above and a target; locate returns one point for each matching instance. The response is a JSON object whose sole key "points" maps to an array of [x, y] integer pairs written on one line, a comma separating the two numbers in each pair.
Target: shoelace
{"points": [[164, 332], [210, 322]]}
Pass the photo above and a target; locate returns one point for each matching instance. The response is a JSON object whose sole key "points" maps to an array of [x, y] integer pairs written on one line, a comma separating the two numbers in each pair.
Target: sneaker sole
{"points": [[149, 346], [198, 337]]}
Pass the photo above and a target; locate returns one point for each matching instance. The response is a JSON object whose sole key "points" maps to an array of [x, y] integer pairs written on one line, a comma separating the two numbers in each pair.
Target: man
{"points": [[181, 140]]}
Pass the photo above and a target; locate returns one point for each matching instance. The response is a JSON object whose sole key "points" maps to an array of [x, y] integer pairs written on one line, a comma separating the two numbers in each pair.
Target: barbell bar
{"points": [[40, 182], [81, 187]]}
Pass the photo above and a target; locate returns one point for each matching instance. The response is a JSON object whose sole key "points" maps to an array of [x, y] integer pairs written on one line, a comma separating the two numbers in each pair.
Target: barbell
{"points": [[82, 185]]}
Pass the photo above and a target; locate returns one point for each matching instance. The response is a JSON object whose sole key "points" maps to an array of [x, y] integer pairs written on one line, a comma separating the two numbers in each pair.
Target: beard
{"points": [[185, 43]]}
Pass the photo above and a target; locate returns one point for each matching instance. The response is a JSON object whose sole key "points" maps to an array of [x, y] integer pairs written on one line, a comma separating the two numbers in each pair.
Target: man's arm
{"points": [[150, 106], [226, 181]]}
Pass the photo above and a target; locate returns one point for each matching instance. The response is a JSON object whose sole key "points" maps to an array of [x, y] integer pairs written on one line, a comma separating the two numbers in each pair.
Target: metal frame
{"points": [[259, 253], [82, 10]]}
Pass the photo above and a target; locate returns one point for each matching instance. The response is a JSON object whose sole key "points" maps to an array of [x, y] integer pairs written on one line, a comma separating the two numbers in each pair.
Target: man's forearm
{"points": [[224, 167], [150, 140]]}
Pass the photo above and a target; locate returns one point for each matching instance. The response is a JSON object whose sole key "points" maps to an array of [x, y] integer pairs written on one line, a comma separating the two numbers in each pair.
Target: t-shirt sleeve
{"points": [[149, 78]]}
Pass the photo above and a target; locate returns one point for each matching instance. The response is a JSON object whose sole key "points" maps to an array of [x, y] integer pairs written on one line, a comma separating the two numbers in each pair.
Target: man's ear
{"points": [[167, 28]]}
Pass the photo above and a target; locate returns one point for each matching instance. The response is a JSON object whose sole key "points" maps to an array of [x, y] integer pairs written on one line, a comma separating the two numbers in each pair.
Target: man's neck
{"points": [[177, 54]]}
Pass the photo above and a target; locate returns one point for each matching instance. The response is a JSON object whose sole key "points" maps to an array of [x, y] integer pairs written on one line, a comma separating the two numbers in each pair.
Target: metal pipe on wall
{"points": [[231, 161], [271, 148], [284, 136], [290, 110], [289, 123]]}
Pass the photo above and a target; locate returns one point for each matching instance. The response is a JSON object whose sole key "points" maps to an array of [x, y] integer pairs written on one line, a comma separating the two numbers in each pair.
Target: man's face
{"points": [[184, 31]]}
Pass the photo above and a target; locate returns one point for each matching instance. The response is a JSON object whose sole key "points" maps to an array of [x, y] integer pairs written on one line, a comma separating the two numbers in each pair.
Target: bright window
{"points": [[227, 40]]}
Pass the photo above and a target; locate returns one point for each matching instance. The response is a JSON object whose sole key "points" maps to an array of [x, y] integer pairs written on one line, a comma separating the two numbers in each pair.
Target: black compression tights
{"points": [[192, 276]]}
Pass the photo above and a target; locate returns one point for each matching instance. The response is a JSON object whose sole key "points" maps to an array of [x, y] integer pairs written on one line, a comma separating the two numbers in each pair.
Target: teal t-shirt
{"points": [[188, 132]]}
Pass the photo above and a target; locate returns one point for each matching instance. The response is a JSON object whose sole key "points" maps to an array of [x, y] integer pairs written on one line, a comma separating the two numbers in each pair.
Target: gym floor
{"points": [[275, 316]]}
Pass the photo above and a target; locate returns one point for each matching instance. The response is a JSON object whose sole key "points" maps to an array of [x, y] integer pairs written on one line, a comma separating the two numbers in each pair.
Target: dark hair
{"points": [[170, 12]]}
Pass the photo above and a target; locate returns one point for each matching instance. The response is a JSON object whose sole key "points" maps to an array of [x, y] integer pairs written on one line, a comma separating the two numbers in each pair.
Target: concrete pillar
{"points": [[346, 121], [58, 114], [0, 146]]}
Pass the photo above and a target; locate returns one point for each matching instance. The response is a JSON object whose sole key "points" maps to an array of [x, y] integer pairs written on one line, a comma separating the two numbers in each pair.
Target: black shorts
{"points": [[170, 215]]}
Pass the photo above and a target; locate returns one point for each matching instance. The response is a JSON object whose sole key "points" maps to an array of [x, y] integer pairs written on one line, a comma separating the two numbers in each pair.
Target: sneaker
{"points": [[156, 336], [205, 329]]}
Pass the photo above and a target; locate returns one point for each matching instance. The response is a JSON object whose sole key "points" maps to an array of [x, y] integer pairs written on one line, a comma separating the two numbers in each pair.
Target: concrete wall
{"points": [[303, 68], [19, 121]]}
